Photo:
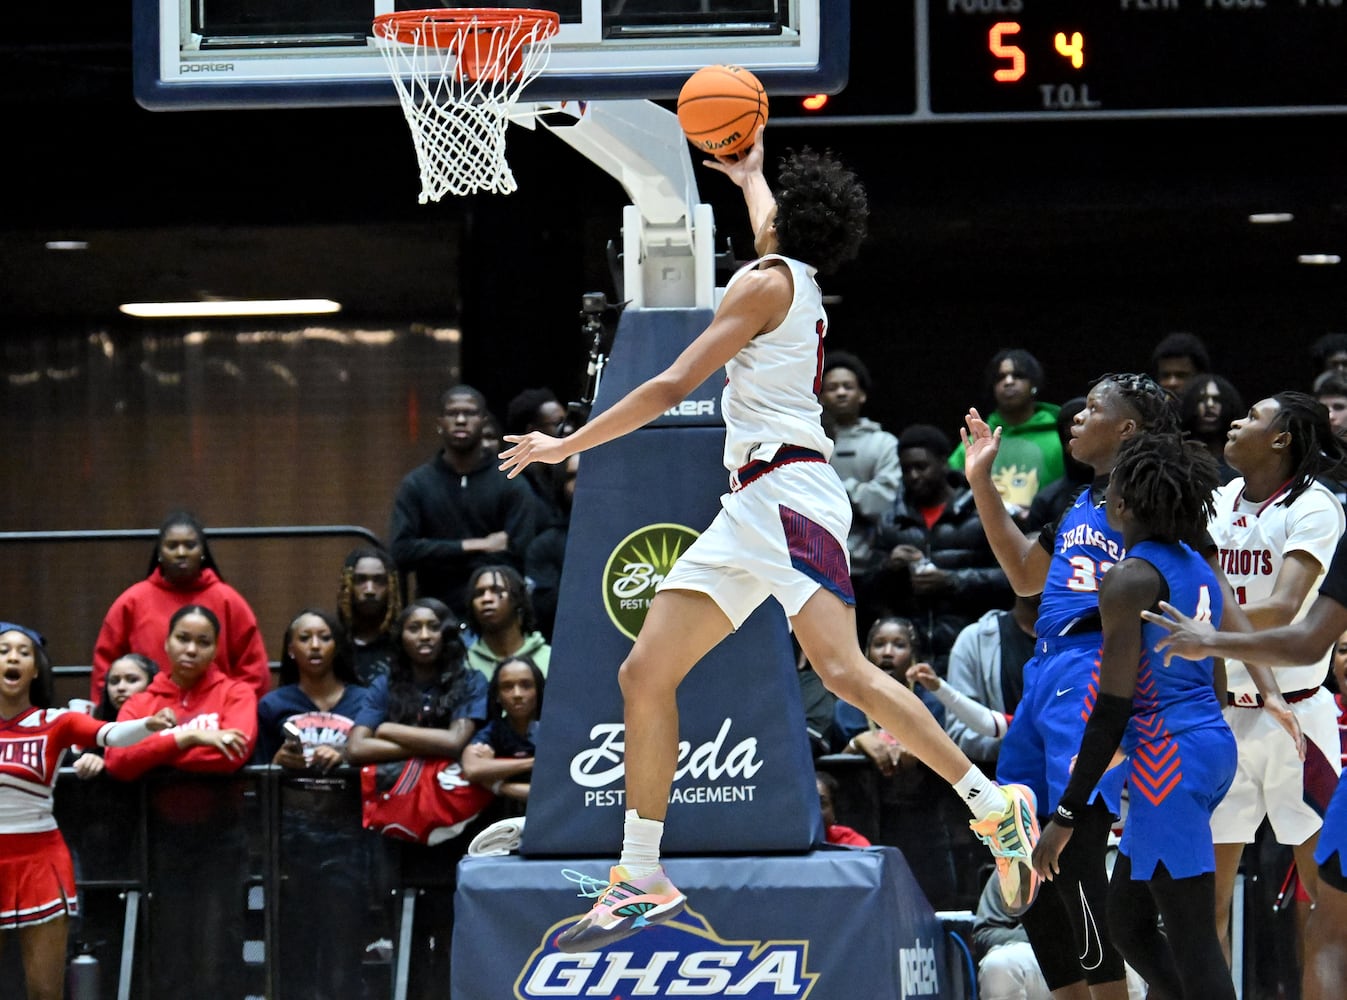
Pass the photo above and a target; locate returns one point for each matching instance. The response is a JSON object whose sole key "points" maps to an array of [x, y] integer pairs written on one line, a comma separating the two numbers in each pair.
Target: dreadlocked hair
{"points": [[347, 587], [821, 210], [1154, 408], [1315, 449], [1167, 481]]}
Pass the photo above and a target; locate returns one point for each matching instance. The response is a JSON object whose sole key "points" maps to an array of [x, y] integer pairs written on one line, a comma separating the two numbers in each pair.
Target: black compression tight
{"points": [[1185, 960], [1066, 925]]}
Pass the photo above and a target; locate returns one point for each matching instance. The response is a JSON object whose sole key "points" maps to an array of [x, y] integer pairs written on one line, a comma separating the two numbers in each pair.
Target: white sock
{"points": [[640, 844], [982, 795]]}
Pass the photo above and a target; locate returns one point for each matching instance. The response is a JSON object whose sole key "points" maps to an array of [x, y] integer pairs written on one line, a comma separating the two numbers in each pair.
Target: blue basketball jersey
{"points": [[1174, 697], [1084, 549]]}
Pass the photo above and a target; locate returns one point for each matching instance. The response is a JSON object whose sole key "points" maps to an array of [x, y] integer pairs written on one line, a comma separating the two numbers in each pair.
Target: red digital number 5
{"points": [[1011, 73]]}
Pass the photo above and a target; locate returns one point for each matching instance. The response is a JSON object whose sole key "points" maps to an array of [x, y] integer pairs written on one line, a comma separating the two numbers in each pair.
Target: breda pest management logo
{"points": [[638, 563]]}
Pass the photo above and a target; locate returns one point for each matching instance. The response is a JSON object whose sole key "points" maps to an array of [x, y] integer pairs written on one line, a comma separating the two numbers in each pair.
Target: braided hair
{"points": [[1167, 481], [346, 590], [1315, 449], [1153, 406]]}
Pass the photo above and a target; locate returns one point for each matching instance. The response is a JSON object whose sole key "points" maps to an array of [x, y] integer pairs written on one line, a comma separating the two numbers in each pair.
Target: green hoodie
{"points": [[1030, 456], [535, 647]]}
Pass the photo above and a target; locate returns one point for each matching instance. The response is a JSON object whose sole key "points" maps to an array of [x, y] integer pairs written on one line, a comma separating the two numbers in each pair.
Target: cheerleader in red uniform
{"points": [[37, 879]]}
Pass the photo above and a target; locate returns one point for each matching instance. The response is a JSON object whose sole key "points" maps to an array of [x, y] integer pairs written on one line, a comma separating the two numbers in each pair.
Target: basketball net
{"points": [[458, 75]]}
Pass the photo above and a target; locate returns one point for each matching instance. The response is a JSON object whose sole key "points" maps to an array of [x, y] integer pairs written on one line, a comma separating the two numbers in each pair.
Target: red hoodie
{"points": [[137, 622], [214, 702]]}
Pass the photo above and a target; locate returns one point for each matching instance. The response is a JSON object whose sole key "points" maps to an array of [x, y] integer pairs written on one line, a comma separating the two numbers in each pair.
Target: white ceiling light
{"points": [[230, 307], [1319, 258], [1270, 218]]}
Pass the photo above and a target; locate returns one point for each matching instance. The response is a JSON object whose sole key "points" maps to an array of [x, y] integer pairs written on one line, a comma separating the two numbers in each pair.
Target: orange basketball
{"points": [[721, 108]]}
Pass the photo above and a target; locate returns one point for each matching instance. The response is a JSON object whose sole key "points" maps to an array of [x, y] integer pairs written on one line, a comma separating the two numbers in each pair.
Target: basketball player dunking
{"points": [[782, 532]]}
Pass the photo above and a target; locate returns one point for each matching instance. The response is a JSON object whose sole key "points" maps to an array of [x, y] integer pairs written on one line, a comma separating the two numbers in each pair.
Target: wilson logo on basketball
{"points": [[638, 563], [683, 957], [721, 143]]}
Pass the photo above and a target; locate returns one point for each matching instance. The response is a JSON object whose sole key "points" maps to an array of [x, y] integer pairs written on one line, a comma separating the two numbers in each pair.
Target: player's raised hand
{"points": [[529, 448], [980, 444], [746, 163], [1187, 637]]}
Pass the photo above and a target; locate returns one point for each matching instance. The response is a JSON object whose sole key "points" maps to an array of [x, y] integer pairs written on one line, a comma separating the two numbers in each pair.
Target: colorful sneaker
{"points": [[624, 907], [1012, 838]]}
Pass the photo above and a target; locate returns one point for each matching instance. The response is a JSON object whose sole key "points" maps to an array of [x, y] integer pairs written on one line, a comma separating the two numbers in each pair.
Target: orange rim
{"points": [[441, 29]]}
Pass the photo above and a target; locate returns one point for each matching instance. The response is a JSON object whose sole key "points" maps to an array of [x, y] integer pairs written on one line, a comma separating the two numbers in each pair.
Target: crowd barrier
{"points": [[250, 885]]}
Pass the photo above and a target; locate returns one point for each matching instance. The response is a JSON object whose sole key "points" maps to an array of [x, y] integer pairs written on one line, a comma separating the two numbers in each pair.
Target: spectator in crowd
{"points": [[303, 727], [1206, 408], [1328, 353], [986, 666], [547, 552], [1030, 457], [833, 831], [864, 454], [491, 434], [182, 571], [459, 511], [198, 841], [500, 756], [37, 876], [369, 600], [536, 410], [939, 570], [128, 675], [500, 614], [819, 705], [1330, 388], [429, 705], [1051, 500], [1277, 528], [986, 679], [917, 815], [1176, 359]]}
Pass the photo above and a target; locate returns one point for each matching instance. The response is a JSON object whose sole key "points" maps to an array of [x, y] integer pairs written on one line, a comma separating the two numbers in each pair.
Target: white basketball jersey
{"points": [[771, 385], [1254, 540]]}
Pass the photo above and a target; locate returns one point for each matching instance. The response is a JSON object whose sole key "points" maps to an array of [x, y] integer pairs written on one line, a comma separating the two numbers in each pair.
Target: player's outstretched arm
{"points": [[1025, 561], [746, 171], [755, 303], [1302, 642]]}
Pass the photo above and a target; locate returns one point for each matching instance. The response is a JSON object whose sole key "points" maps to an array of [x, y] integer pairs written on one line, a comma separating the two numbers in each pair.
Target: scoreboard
{"points": [[1009, 59]]}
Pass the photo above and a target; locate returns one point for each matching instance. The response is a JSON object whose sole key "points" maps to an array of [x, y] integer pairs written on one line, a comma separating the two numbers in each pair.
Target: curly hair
{"points": [[1315, 449], [1153, 406], [343, 659], [346, 589], [1167, 482], [821, 210]]}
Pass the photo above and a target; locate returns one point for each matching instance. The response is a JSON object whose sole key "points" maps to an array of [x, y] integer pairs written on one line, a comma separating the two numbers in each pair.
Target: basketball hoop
{"points": [[458, 74]]}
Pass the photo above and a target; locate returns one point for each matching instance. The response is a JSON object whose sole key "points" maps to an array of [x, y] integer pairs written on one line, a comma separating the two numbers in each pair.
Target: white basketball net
{"points": [[457, 81]]}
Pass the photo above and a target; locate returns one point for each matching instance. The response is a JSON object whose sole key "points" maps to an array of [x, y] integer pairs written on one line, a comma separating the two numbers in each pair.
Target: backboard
{"points": [[195, 54]]}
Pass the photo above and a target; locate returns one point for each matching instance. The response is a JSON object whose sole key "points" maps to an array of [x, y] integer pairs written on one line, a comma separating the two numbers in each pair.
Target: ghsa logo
{"points": [[681, 958]]}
